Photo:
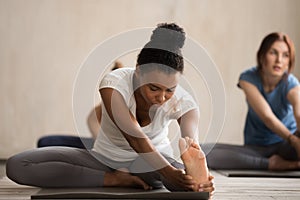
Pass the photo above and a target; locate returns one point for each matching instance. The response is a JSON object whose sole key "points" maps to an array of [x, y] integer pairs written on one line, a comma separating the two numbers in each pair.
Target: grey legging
{"points": [[226, 156], [72, 167]]}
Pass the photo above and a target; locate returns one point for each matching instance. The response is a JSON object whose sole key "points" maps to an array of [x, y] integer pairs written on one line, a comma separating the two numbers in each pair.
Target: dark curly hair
{"points": [[163, 49]]}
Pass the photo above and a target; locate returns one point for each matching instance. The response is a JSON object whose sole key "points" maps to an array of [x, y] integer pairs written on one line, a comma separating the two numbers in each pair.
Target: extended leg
{"points": [[56, 167], [225, 156]]}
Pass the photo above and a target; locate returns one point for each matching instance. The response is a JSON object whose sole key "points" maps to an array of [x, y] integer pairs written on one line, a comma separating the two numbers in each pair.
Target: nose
{"points": [[279, 58], [161, 97]]}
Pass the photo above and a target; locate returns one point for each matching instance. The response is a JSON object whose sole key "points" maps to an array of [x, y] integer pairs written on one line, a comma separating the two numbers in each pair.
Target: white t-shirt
{"points": [[110, 141]]}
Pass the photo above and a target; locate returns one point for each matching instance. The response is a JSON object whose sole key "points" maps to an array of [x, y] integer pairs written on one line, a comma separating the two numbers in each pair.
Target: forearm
{"points": [[189, 124], [297, 118], [149, 153], [276, 126], [294, 98]]}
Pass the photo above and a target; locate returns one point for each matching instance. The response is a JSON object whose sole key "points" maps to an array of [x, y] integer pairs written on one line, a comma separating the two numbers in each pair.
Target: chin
{"points": [[278, 74]]}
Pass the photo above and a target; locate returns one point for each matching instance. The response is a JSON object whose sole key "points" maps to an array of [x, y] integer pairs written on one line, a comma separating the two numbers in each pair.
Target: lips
{"points": [[277, 68]]}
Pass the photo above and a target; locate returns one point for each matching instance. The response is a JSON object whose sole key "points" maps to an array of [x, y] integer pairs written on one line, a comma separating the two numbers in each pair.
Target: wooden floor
{"points": [[226, 188]]}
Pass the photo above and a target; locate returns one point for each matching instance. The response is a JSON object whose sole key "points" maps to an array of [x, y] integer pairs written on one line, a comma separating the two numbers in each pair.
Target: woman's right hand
{"points": [[178, 177]]}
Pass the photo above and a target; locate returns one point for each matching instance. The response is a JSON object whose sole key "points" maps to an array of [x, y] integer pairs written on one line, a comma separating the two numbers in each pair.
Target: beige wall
{"points": [[44, 42]]}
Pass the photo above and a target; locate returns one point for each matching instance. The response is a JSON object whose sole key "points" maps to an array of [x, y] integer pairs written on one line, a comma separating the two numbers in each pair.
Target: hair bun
{"points": [[168, 36]]}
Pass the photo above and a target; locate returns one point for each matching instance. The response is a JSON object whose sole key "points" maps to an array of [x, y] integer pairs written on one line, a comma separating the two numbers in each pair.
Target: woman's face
{"points": [[157, 87], [277, 60]]}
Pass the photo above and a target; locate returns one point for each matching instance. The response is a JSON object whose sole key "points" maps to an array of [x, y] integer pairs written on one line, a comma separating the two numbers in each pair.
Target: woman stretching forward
{"points": [[132, 147]]}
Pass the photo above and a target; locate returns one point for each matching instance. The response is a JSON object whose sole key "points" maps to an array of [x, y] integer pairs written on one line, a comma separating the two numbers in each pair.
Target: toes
{"points": [[140, 182], [190, 141], [195, 145]]}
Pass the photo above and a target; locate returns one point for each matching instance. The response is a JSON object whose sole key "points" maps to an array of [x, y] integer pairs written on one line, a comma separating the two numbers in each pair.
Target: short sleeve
{"points": [[292, 82], [250, 75], [116, 81], [184, 103]]}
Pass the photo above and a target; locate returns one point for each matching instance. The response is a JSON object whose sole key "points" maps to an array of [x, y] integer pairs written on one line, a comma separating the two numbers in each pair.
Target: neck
{"points": [[269, 82], [141, 104]]}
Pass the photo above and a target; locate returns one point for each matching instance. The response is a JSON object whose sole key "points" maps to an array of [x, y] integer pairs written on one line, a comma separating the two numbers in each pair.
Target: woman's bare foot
{"points": [[276, 163], [194, 161], [121, 178]]}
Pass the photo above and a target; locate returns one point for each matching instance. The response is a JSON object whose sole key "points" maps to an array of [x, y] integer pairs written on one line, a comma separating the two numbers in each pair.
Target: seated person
{"points": [[271, 133], [93, 122], [132, 148]]}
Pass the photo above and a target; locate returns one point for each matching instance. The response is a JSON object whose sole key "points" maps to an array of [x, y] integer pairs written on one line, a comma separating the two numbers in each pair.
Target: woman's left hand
{"points": [[207, 186]]}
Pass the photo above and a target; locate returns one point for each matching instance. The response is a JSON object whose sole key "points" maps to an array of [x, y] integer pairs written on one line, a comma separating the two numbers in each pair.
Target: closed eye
{"points": [[171, 90], [153, 88]]}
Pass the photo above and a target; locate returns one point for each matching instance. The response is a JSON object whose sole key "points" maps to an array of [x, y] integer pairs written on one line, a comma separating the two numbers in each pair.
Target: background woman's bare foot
{"points": [[194, 160], [277, 163], [120, 178]]}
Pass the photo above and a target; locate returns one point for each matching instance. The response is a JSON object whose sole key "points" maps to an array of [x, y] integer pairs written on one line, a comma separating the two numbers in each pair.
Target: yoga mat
{"points": [[115, 193], [260, 173]]}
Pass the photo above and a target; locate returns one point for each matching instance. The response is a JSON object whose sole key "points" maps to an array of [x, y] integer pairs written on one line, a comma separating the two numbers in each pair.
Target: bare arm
{"points": [[189, 124], [294, 98], [263, 110]]}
